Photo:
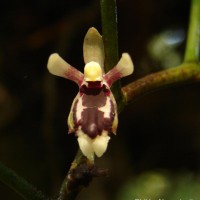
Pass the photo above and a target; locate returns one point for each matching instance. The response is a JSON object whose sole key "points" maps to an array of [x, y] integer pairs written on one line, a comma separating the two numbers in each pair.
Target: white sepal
{"points": [[57, 66], [89, 146], [100, 144], [123, 68], [125, 65], [85, 144], [93, 48]]}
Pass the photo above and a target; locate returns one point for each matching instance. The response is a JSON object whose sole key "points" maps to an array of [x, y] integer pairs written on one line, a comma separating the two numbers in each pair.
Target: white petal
{"points": [[123, 68], [93, 48], [100, 144], [85, 144], [125, 65], [57, 66]]}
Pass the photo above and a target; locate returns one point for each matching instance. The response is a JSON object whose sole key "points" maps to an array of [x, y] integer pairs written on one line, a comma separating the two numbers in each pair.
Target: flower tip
{"points": [[51, 62], [56, 65], [93, 49], [127, 63], [93, 31]]}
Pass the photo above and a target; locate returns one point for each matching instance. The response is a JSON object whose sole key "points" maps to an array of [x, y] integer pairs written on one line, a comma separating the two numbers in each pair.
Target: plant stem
{"points": [[188, 71], [193, 38], [79, 175], [110, 39], [19, 185], [182, 73], [65, 193], [109, 29]]}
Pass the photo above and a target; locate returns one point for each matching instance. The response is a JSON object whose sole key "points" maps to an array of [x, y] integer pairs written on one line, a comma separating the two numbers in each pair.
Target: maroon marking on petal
{"points": [[74, 75], [93, 97], [95, 84], [112, 76], [74, 110], [106, 90], [92, 120]]}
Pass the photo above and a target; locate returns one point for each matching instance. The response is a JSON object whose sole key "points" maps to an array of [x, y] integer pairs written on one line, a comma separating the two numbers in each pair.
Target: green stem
{"points": [[193, 38], [19, 185], [183, 73], [109, 29], [110, 39]]}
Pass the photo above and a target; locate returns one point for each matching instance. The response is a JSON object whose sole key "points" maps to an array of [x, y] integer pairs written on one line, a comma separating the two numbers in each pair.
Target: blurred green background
{"points": [[156, 153]]}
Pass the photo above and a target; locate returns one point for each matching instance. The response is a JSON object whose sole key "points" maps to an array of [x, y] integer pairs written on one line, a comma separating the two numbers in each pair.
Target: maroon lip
{"points": [[92, 120]]}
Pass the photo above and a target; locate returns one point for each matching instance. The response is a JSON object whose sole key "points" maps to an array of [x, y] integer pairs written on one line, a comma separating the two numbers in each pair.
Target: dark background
{"points": [[158, 134]]}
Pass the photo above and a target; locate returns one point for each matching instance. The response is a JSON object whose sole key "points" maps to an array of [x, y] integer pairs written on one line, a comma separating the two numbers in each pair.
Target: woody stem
{"points": [[187, 72]]}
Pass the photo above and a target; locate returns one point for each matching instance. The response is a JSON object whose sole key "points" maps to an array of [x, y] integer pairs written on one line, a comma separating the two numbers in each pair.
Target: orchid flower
{"points": [[93, 115]]}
